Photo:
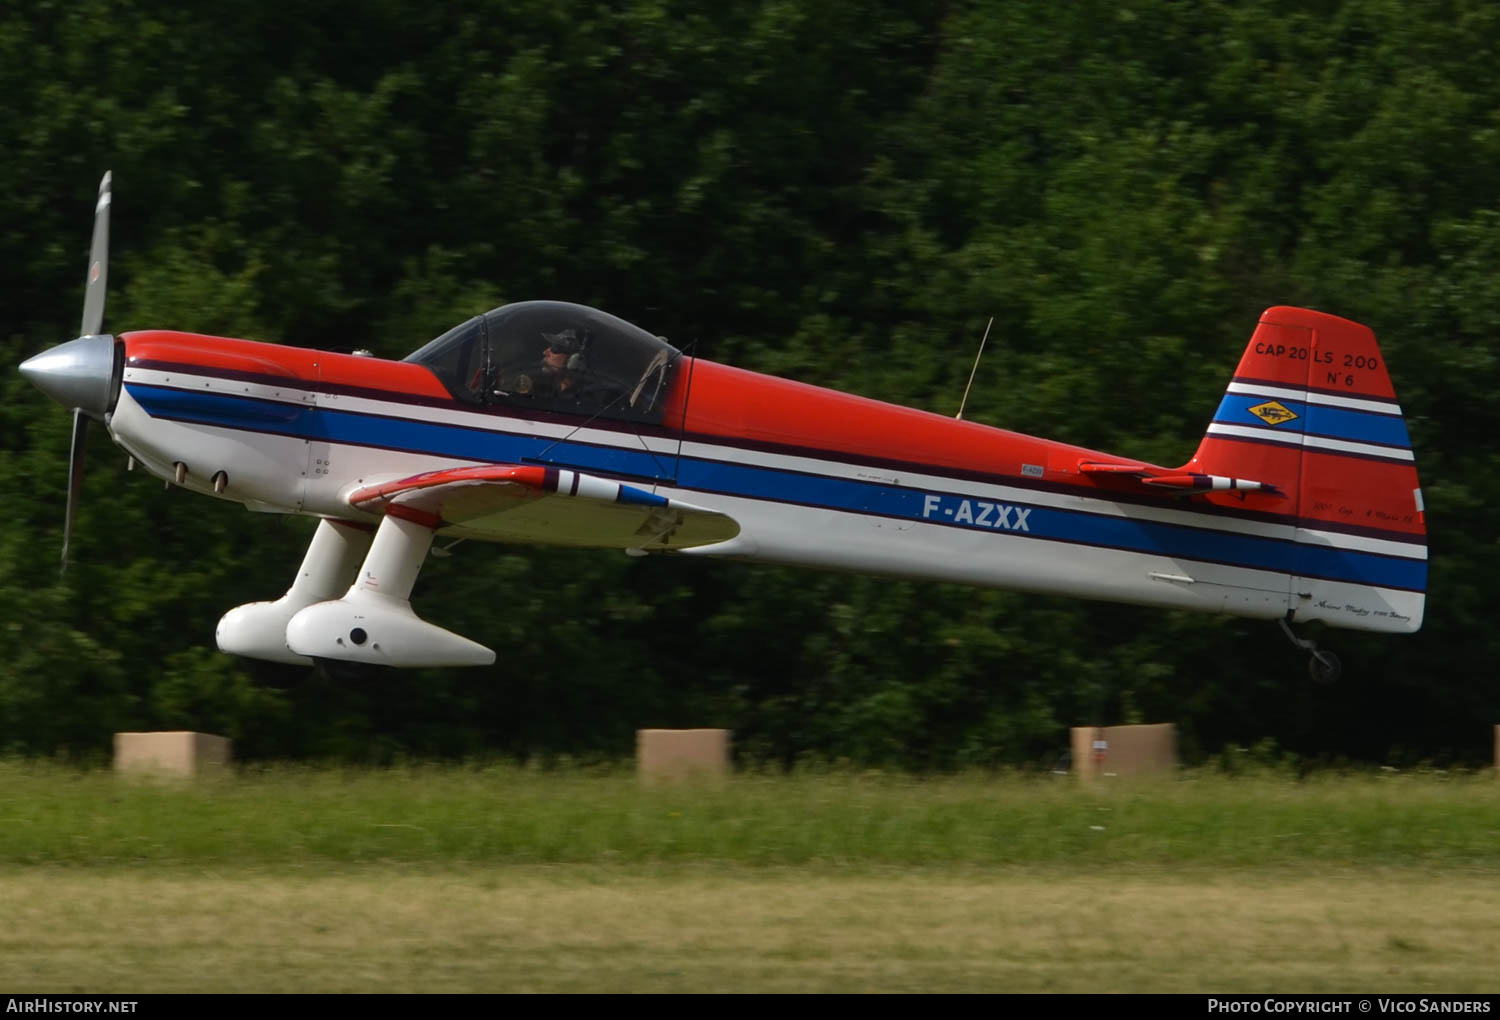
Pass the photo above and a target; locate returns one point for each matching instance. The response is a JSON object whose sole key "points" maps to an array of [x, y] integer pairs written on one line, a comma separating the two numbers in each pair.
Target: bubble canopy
{"points": [[554, 356]]}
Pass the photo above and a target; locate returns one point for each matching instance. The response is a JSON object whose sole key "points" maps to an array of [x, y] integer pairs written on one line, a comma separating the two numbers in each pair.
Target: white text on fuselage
{"points": [[976, 513]]}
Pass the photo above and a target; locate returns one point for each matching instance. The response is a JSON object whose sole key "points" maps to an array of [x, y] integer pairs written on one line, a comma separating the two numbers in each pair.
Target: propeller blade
{"points": [[93, 295], [75, 479]]}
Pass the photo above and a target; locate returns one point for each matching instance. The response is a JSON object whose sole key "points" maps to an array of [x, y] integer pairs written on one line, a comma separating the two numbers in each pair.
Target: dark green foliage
{"points": [[839, 193]]}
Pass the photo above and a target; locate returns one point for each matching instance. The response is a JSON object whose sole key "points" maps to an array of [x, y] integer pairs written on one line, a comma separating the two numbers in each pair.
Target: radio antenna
{"points": [[965, 400]]}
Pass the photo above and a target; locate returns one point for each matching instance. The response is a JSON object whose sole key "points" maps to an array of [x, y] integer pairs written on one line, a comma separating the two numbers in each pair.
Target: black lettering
{"points": [[1333, 377]]}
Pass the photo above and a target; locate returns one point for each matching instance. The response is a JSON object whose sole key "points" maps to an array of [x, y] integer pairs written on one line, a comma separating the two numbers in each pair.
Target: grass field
{"points": [[504, 879]]}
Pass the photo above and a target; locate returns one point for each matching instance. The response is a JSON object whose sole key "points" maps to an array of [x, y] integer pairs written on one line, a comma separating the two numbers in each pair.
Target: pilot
{"points": [[561, 374], [562, 360]]}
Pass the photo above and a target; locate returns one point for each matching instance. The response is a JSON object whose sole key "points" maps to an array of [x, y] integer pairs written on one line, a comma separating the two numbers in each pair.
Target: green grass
{"points": [[735, 929], [497, 878], [289, 817]]}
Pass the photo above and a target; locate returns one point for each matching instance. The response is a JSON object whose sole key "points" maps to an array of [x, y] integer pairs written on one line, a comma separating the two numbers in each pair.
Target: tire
{"points": [[1324, 667]]}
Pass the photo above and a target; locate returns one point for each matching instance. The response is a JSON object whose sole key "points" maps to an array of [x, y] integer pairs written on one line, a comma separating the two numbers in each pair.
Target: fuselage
{"points": [[813, 476]]}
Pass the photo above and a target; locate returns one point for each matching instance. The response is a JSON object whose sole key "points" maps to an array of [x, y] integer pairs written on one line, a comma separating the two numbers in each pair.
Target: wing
{"points": [[1181, 483], [547, 506]]}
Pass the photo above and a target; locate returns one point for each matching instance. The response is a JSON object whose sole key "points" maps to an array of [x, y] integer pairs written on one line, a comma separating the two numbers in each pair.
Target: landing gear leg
{"points": [[258, 630], [1322, 665], [373, 623]]}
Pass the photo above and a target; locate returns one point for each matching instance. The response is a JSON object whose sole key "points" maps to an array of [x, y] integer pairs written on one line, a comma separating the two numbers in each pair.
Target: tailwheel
{"points": [[1324, 667]]}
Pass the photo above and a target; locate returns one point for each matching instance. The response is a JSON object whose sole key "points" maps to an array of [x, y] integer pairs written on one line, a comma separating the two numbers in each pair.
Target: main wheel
{"points": [[1324, 667]]}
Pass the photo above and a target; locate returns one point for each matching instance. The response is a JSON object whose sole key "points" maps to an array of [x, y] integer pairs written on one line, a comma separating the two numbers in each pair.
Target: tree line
{"points": [[843, 194]]}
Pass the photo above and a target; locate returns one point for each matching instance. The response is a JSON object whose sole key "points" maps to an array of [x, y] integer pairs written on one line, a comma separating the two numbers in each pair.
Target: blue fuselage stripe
{"points": [[781, 485]]}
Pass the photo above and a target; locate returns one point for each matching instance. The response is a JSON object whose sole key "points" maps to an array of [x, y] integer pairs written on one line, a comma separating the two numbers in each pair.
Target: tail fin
{"points": [[1311, 410]]}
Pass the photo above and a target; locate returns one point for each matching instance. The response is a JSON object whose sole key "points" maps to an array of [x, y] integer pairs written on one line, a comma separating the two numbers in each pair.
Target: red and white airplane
{"points": [[553, 423]]}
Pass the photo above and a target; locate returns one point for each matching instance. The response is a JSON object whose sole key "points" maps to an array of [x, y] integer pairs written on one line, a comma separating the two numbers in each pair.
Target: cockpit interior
{"points": [[557, 357]]}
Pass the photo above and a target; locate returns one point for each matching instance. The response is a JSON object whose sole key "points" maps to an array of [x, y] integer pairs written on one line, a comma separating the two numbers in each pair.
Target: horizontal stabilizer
{"points": [[1182, 483]]}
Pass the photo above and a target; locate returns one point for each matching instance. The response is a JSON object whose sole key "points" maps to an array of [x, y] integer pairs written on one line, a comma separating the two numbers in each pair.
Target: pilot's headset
{"points": [[578, 361]]}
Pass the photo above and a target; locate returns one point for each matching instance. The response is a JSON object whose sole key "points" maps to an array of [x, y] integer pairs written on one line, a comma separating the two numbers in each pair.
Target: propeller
{"points": [[83, 374], [93, 291]]}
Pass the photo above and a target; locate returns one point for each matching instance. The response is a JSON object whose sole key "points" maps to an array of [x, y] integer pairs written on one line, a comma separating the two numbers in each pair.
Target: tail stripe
{"points": [[1329, 422], [1336, 446], [1375, 405], [1391, 453], [1336, 423]]}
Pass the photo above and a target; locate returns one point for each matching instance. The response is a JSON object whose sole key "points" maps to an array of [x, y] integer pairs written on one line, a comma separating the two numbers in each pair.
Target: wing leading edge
{"points": [[546, 506]]}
